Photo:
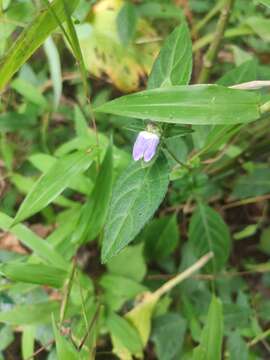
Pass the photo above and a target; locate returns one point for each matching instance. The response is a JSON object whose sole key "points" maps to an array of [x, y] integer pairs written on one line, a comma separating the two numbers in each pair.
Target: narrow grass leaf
{"points": [[52, 183], [55, 69], [34, 274], [210, 347], [94, 211], [30, 39], [39, 313], [65, 350], [35, 243]]}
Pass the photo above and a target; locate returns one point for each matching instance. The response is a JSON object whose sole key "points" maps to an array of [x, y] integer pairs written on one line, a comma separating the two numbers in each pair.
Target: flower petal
{"points": [[151, 148], [139, 146]]}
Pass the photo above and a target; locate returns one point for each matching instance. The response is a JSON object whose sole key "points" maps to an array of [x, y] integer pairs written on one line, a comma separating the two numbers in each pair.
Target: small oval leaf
{"points": [[136, 196]]}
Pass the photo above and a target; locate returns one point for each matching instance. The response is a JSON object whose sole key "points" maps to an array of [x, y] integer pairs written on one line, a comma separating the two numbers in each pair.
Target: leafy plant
{"points": [[155, 252]]}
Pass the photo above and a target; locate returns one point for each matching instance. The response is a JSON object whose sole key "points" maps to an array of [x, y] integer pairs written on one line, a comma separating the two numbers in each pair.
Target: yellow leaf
{"points": [[104, 54]]}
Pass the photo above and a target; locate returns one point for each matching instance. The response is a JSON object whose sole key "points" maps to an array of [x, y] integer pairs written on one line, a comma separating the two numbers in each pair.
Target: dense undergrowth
{"points": [[160, 251]]}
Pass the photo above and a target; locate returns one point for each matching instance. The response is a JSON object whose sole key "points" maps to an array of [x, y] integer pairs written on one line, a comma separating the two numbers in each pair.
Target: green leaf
{"points": [[119, 289], [35, 243], [55, 69], [161, 237], [43, 162], [260, 26], [132, 257], [254, 184], [6, 337], [136, 196], [265, 2], [52, 183], [121, 329], [65, 350], [265, 241], [160, 10], [194, 104], [168, 335], [13, 121], [28, 341], [242, 73], [174, 63], [208, 232], [141, 315], [39, 313], [34, 274], [30, 39], [211, 339], [29, 92], [94, 211], [126, 22], [237, 347]]}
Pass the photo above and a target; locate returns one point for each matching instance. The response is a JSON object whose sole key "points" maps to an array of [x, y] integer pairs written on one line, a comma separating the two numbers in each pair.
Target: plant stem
{"points": [[229, 34], [259, 337], [211, 53], [67, 292], [208, 16], [184, 275], [176, 159]]}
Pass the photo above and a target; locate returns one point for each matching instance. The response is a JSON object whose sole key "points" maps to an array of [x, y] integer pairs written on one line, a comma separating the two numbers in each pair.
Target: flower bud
{"points": [[145, 146]]}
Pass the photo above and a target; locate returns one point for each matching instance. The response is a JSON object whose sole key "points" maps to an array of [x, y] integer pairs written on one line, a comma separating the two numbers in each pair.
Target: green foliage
{"points": [[53, 182], [174, 63], [168, 335], [175, 284], [65, 350], [30, 39], [212, 334], [196, 105], [126, 22], [138, 185], [208, 232]]}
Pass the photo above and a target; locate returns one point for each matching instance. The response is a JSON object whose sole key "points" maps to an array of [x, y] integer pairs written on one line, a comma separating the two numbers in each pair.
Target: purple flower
{"points": [[145, 146]]}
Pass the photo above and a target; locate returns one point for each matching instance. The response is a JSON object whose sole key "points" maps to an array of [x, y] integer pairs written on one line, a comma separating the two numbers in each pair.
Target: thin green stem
{"points": [[176, 159], [208, 16], [67, 292], [212, 52], [229, 34]]}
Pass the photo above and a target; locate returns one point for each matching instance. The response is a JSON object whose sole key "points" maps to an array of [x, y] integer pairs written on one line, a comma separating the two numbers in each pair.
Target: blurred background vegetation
{"points": [[45, 114]]}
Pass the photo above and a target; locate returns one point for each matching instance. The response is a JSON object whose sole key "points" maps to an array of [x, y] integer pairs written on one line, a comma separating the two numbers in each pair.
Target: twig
{"points": [[184, 275], [211, 54], [42, 348], [95, 317], [246, 201], [209, 277], [259, 338]]}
